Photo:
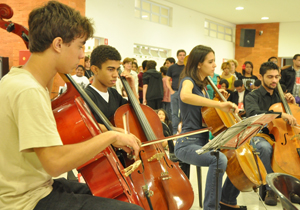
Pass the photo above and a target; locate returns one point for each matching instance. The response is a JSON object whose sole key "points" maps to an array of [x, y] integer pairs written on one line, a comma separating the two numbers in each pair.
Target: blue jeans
{"points": [[185, 151], [175, 111], [167, 107], [265, 153], [229, 193]]}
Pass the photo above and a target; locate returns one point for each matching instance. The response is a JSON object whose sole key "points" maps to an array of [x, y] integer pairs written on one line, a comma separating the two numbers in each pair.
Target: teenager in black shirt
{"points": [[105, 62], [259, 101]]}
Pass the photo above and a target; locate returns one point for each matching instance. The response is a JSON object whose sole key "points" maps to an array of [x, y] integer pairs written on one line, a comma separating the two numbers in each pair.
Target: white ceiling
{"points": [[254, 10]]}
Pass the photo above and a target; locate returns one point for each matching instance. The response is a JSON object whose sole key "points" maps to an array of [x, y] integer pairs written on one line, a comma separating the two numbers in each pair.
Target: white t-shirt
{"points": [[241, 100], [104, 95], [82, 81], [26, 122]]}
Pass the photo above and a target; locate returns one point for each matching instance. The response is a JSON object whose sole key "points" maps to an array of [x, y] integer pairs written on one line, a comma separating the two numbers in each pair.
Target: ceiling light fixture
{"points": [[265, 18], [239, 8], [144, 16]]}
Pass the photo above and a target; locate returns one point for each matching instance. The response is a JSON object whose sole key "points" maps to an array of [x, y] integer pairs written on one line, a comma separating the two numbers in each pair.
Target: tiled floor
{"points": [[249, 199]]}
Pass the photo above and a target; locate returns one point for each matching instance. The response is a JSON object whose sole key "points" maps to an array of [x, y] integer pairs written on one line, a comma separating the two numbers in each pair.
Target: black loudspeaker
{"points": [[4, 68], [247, 37]]}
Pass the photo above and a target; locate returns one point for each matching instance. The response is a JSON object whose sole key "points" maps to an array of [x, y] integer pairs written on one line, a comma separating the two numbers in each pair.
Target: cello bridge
{"points": [[157, 156], [165, 175]]}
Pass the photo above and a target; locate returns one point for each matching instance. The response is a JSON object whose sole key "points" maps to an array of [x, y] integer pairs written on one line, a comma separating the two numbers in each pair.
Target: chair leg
{"points": [[199, 185]]}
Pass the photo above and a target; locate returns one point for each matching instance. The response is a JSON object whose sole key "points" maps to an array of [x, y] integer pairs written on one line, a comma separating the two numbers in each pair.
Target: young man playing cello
{"points": [[105, 63], [30, 147], [258, 102]]}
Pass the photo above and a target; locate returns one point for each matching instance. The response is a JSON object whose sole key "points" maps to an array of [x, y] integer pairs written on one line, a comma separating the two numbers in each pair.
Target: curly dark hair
{"points": [[225, 82], [267, 66], [102, 53], [56, 20]]}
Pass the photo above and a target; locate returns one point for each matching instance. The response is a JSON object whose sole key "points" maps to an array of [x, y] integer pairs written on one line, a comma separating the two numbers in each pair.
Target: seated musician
{"points": [[200, 64], [238, 96], [258, 102], [30, 146], [105, 62]]}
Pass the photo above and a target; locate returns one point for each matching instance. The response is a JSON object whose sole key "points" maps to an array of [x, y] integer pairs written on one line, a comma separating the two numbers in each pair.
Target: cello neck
{"points": [[69, 79], [284, 102], [138, 110], [237, 117]]}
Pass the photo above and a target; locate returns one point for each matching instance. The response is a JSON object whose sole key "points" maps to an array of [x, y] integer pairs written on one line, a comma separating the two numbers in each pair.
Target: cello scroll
{"points": [[6, 12]]}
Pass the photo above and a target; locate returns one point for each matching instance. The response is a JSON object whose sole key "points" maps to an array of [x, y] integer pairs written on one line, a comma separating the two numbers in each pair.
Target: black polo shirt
{"points": [[259, 101]]}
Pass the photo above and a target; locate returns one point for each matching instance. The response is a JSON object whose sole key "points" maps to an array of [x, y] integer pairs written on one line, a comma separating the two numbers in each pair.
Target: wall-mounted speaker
{"points": [[4, 68], [247, 37]]}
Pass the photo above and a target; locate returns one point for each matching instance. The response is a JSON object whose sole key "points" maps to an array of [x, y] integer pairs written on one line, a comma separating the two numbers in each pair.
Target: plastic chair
{"points": [[284, 186]]}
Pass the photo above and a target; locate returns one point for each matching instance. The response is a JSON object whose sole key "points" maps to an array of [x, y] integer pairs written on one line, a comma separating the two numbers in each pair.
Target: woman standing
{"points": [[248, 78], [234, 65], [200, 64], [227, 75]]}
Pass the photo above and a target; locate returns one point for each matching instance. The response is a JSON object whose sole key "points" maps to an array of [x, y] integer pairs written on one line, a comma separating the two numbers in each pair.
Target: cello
{"points": [[157, 176], [80, 126], [244, 169], [286, 149]]}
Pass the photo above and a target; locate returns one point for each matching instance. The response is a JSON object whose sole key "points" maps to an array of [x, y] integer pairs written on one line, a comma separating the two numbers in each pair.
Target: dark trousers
{"points": [[154, 104], [73, 195]]}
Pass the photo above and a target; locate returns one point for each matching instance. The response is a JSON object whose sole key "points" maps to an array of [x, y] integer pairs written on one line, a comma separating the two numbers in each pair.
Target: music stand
{"points": [[234, 137]]}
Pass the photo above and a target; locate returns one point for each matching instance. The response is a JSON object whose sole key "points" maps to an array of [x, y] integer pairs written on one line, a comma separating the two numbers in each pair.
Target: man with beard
{"points": [[258, 102]]}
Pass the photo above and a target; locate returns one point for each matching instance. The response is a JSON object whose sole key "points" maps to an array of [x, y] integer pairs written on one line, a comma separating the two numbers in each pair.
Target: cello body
{"points": [[286, 156], [245, 171], [160, 183], [170, 187]]}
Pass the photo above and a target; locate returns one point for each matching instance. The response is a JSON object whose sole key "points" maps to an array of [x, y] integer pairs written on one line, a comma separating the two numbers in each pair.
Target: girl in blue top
{"points": [[192, 96]]}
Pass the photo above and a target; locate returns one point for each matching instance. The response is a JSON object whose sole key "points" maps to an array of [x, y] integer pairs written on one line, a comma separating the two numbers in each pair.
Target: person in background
{"points": [[167, 95], [127, 64], [223, 84], [209, 88], [153, 90], [140, 69], [87, 66], [248, 76], [234, 65], [167, 128], [273, 59], [257, 84], [140, 76], [238, 96], [173, 74], [170, 61], [134, 60], [290, 77], [79, 77], [135, 67], [227, 75]]}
